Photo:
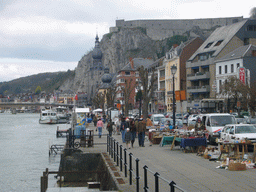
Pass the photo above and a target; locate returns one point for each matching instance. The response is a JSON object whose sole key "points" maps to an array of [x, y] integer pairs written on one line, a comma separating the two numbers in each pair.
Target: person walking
{"points": [[141, 132], [94, 120], [123, 129], [128, 137], [99, 127], [133, 131], [110, 127]]}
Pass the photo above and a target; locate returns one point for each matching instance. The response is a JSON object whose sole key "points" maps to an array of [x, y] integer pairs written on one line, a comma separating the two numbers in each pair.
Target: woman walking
{"points": [[99, 127], [133, 131]]}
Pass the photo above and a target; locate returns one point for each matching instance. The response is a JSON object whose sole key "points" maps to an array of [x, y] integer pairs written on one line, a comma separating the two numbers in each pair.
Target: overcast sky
{"points": [[52, 35]]}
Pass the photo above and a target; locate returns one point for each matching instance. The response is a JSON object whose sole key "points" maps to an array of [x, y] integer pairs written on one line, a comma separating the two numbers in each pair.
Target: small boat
{"points": [[48, 116], [62, 114]]}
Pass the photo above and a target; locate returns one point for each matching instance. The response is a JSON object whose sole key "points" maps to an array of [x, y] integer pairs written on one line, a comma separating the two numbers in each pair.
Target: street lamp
{"points": [[173, 71]]}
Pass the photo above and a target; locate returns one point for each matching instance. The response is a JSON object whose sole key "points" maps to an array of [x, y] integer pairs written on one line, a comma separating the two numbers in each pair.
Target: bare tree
{"points": [[253, 13], [127, 90], [252, 100], [99, 100], [110, 96], [148, 85], [234, 89]]}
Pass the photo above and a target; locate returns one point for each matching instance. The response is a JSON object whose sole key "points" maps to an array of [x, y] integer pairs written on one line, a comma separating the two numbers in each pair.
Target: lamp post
{"points": [[173, 71]]}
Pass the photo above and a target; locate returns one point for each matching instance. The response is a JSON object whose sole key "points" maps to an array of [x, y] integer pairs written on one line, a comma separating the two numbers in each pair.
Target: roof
{"points": [[221, 35], [138, 62], [240, 52]]}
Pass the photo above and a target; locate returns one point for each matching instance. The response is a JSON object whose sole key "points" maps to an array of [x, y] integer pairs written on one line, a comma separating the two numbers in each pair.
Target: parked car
{"points": [[156, 118], [237, 132], [164, 123]]}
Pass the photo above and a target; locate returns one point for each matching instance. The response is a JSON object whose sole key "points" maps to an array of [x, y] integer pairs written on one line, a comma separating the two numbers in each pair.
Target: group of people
{"points": [[129, 128]]}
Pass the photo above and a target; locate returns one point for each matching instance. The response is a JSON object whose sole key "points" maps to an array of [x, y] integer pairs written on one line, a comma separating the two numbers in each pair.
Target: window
{"points": [[208, 45], [162, 73], [127, 73], [219, 83], [232, 68], [246, 41], [226, 69], [251, 28], [218, 43], [219, 69], [137, 74], [122, 80], [237, 65]]}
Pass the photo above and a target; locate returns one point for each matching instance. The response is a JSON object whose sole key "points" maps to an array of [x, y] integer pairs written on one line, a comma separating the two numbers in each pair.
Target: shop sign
{"points": [[242, 74]]}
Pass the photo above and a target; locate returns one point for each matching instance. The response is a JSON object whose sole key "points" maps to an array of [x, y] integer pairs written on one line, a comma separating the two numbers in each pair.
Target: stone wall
{"points": [[161, 29]]}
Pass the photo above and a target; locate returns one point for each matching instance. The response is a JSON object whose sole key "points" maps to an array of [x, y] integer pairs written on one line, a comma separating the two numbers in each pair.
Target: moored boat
{"points": [[48, 116]]}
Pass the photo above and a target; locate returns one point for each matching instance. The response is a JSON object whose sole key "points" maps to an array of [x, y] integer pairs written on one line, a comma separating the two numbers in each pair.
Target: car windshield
{"points": [[253, 121], [245, 129], [222, 120], [164, 121], [158, 118]]}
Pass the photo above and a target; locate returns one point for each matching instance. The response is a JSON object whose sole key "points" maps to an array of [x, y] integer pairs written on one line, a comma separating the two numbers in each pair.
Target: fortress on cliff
{"points": [[161, 29]]}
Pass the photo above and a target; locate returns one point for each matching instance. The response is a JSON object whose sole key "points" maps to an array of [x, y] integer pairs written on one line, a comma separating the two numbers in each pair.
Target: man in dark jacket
{"points": [[110, 127], [141, 132]]}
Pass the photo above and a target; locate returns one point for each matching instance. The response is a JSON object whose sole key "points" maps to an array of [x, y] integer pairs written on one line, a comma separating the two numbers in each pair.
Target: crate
{"points": [[236, 166]]}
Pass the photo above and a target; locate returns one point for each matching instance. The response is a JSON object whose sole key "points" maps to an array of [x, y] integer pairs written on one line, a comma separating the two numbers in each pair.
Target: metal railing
{"points": [[119, 155]]}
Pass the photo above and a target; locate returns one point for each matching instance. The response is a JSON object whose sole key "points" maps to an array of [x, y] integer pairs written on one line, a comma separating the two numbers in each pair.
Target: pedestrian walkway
{"points": [[187, 170]]}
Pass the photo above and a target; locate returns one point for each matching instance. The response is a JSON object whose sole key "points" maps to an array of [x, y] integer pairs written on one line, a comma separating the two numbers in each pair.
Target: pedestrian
{"points": [[99, 127], [104, 118], [110, 127], [94, 120], [128, 137], [141, 132], [133, 131], [123, 129], [149, 123]]}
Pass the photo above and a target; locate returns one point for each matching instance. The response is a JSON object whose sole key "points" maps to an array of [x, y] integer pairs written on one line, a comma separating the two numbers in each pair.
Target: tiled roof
{"points": [[237, 53], [224, 34]]}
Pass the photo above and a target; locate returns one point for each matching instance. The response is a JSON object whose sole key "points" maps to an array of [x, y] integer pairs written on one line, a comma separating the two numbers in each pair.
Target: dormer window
{"points": [[218, 43], [208, 45]]}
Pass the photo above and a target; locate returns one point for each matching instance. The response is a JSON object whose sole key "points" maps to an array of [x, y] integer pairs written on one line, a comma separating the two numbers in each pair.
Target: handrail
{"points": [[118, 156]]}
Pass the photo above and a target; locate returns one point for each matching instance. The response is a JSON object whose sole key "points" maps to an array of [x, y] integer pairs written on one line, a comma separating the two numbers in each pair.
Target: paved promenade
{"points": [[187, 170]]}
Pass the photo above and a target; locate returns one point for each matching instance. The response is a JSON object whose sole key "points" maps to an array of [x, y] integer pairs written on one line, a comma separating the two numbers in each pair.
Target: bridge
{"points": [[24, 104]]}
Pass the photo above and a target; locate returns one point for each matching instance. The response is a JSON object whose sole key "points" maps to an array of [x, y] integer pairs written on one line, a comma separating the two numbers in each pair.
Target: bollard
{"points": [[117, 154], [156, 182], [112, 147], [130, 167], [121, 158], [137, 175], [145, 178], [172, 186], [125, 163]]}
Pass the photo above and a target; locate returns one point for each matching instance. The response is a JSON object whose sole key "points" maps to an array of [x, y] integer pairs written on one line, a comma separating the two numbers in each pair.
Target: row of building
{"points": [[202, 67]]}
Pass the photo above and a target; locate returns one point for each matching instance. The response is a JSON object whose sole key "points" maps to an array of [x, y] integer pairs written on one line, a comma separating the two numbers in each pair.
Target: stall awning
{"points": [[82, 110]]}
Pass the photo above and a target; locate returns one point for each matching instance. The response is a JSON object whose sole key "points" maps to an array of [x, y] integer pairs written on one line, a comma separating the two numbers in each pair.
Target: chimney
{"points": [[132, 64]]}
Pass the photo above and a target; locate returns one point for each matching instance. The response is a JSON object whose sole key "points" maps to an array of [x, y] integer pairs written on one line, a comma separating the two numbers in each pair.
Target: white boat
{"points": [[62, 114], [48, 116]]}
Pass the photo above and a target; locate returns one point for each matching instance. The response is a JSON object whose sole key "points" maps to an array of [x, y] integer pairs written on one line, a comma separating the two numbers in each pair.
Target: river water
{"points": [[24, 152]]}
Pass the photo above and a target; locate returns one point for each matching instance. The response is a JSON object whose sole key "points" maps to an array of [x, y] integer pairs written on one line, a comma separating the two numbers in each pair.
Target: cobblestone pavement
{"points": [[187, 170]]}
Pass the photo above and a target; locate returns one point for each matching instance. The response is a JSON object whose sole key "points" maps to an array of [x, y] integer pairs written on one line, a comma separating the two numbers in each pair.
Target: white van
{"points": [[215, 122], [156, 118]]}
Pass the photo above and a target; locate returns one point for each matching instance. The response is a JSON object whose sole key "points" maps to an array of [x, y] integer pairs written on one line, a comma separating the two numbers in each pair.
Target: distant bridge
{"points": [[23, 104]]}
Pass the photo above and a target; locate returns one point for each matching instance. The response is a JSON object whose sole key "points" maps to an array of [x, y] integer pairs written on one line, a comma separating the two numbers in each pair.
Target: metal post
{"points": [[117, 154], [173, 105], [107, 143], [145, 178], [172, 186], [125, 162], [137, 175], [114, 151], [130, 167], [156, 182], [112, 140], [121, 158]]}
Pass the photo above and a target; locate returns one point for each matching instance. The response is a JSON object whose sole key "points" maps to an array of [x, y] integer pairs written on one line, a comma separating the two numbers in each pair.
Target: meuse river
{"points": [[24, 152]]}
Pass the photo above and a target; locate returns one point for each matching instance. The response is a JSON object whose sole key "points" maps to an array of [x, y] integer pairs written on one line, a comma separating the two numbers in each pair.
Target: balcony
{"points": [[198, 89], [198, 76], [200, 63]]}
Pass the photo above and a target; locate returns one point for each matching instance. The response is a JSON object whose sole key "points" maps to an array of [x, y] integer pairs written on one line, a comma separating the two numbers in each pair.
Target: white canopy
{"points": [[97, 110], [82, 110]]}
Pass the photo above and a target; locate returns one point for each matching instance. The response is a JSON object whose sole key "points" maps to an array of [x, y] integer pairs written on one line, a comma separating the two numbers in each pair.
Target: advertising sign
{"points": [[242, 74]]}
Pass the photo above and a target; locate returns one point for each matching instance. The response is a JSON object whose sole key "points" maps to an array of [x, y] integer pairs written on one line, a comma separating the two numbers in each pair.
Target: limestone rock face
{"points": [[117, 48]]}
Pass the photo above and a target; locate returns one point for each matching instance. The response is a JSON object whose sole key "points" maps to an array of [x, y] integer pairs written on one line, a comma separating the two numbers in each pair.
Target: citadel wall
{"points": [[161, 29]]}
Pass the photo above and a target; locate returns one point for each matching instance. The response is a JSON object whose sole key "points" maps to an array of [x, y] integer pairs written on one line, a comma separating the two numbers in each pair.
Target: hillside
{"points": [[47, 81]]}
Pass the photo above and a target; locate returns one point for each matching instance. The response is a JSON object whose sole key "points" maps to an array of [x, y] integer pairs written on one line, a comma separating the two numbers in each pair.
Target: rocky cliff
{"points": [[117, 48]]}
